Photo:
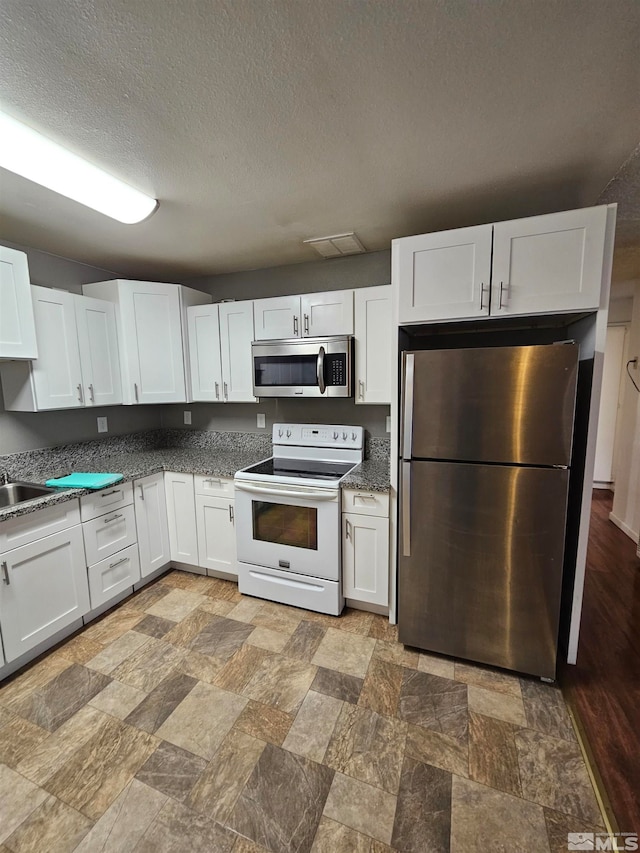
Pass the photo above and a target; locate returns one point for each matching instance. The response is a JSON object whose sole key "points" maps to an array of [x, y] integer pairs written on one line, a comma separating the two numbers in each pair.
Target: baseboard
{"points": [[632, 534], [603, 485]]}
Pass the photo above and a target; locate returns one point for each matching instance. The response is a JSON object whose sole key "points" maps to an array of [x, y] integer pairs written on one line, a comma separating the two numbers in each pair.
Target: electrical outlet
{"points": [[388, 423], [261, 422], [187, 417], [102, 425]]}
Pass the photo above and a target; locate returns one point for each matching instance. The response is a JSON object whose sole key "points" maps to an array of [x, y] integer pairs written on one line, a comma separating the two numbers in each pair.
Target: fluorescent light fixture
{"points": [[31, 155]]}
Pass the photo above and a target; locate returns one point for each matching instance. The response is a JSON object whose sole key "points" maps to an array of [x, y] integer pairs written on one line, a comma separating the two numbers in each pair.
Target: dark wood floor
{"points": [[604, 687]]}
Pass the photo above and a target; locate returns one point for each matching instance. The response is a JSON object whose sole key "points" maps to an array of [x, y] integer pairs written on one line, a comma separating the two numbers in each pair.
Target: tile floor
{"points": [[192, 718]]}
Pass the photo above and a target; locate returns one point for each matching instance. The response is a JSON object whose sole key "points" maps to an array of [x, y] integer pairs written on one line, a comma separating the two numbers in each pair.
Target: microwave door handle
{"points": [[320, 370]]}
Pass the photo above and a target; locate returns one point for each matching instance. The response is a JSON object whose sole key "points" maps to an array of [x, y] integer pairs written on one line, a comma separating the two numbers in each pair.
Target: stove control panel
{"points": [[319, 435]]}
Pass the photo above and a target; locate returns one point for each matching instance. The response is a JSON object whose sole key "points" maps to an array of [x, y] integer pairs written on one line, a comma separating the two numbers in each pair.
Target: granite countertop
{"points": [[219, 460]]}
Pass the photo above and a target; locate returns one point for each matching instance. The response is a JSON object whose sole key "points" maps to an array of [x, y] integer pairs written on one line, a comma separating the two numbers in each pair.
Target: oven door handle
{"points": [[320, 370], [275, 492]]}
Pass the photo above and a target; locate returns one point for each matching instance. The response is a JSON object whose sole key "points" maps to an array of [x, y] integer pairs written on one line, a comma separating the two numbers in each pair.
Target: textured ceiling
{"points": [[259, 123]]}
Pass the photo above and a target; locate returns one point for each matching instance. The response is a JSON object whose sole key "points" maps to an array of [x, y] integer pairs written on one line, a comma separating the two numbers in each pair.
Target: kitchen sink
{"points": [[17, 493]]}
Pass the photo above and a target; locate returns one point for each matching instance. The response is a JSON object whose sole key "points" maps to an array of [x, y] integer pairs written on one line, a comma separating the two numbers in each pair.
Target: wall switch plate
{"points": [[187, 417], [261, 422], [388, 423], [102, 425]]}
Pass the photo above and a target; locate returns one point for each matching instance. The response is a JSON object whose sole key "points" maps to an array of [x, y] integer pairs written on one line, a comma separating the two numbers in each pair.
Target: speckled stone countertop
{"points": [[215, 454]]}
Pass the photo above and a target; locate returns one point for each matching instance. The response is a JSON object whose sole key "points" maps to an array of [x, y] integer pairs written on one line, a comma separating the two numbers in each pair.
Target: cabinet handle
{"points": [[306, 324], [112, 492], [231, 514], [113, 517], [118, 562], [360, 389], [141, 493], [214, 480], [226, 391], [364, 497], [135, 391], [295, 326], [80, 394], [92, 396], [5, 573], [217, 387], [503, 287], [347, 528], [484, 290]]}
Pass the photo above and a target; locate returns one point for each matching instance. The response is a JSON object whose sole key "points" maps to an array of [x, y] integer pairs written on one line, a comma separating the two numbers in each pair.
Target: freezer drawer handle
{"points": [[406, 509]]}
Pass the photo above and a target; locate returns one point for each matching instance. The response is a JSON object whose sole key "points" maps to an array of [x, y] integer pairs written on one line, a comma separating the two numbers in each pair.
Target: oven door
{"points": [[315, 367], [288, 527]]}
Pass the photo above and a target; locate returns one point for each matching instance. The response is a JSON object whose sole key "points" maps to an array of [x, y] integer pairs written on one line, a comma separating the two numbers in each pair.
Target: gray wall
{"points": [[52, 271]]}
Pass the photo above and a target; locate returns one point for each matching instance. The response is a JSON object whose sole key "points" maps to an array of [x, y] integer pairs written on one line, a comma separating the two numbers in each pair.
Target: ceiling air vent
{"points": [[339, 244]]}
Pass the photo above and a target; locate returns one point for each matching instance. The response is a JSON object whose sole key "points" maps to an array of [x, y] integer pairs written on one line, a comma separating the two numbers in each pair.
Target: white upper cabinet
{"points": [[154, 354], [443, 276], [373, 333], [549, 263], [220, 352], [78, 356], [307, 316], [539, 265], [17, 324]]}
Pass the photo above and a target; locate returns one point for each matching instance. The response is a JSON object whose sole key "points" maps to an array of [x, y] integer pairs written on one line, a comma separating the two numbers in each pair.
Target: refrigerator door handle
{"points": [[406, 509], [407, 413]]}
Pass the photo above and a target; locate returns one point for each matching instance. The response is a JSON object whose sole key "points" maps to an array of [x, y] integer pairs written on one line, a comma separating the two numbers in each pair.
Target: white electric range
{"points": [[287, 511]]}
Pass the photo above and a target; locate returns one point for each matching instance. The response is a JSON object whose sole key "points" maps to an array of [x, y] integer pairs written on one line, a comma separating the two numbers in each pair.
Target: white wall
{"points": [[626, 499]]}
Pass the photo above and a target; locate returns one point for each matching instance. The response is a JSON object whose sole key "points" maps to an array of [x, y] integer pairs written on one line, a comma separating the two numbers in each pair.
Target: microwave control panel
{"points": [[335, 369]]}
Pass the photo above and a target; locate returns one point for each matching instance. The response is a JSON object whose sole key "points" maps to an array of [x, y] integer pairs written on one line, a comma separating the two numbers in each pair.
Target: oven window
{"points": [[285, 525], [285, 370]]}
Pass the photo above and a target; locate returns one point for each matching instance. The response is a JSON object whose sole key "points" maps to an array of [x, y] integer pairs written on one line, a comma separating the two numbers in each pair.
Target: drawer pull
{"points": [[231, 514], [214, 480], [364, 498], [5, 573], [113, 517], [118, 562], [107, 494]]}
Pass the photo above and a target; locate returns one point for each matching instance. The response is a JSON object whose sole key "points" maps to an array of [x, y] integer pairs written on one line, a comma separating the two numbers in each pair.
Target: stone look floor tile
{"points": [[333, 837], [265, 638], [368, 747], [560, 825], [18, 739], [423, 813], [553, 774], [220, 785], [18, 799], [79, 649], [396, 653], [264, 722], [223, 590], [362, 807], [125, 821], [439, 750], [502, 706], [96, 774], [304, 641], [435, 703], [313, 726], [184, 633], [238, 671], [245, 845], [118, 699], [202, 720], [348, 654], [282, 682], [381, 688], [246, 610], [149, 665], [491, 679], [267, 813], [177, 829], [154, 709], [216, 606], [116, 652], [222, 637], [278, 618], [202, 667], [355, 621], [186, 580], [172, 771], [154, 626], [117, 623], [19, 687], [493, 758], [148, 596], [52, 827], [435, 665], [382, 629], [338, 685], [546, 710], [177, 604], [485, 819]]}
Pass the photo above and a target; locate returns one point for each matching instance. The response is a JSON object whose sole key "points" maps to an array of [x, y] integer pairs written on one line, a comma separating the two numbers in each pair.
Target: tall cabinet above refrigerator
{"points": [[485, 456]]}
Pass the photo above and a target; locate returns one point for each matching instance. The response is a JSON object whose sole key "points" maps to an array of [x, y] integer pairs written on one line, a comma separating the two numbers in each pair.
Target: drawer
{"points": [[24, 529], [220, 486], [109, 533], [91, 506], [365, 503], [113, 575]]}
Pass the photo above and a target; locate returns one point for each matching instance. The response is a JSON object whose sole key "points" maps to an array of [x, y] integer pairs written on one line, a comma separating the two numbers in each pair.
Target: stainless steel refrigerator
{"points": [[485, 455]]}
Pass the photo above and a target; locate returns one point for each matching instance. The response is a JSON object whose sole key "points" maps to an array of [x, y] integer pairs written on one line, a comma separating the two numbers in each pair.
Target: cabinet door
{"points": [[365, 558], [236, 334], [151, 523], [329, 313], [17, 325], [152, 330], [57, 376], [278, 317], [46, 592], [216, 534], [549, 263], [98, 345], [181, 516], [204, 352], [114, 575], [374, 350], [443, 276]]}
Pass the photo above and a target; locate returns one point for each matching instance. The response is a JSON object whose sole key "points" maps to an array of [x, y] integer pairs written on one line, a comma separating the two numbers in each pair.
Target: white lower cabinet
{"points": [[215, 523], [151, 523], [181, 516], [44, 589], [108, 534], [365, 552], [114, 575]]}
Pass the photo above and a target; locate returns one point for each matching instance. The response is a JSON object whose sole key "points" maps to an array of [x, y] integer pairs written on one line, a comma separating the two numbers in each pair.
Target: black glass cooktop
{"points": [[303, 468]]}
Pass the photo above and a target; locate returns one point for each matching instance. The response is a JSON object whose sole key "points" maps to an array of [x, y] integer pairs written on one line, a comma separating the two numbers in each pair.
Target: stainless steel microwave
{"points": [[303, 367]]}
